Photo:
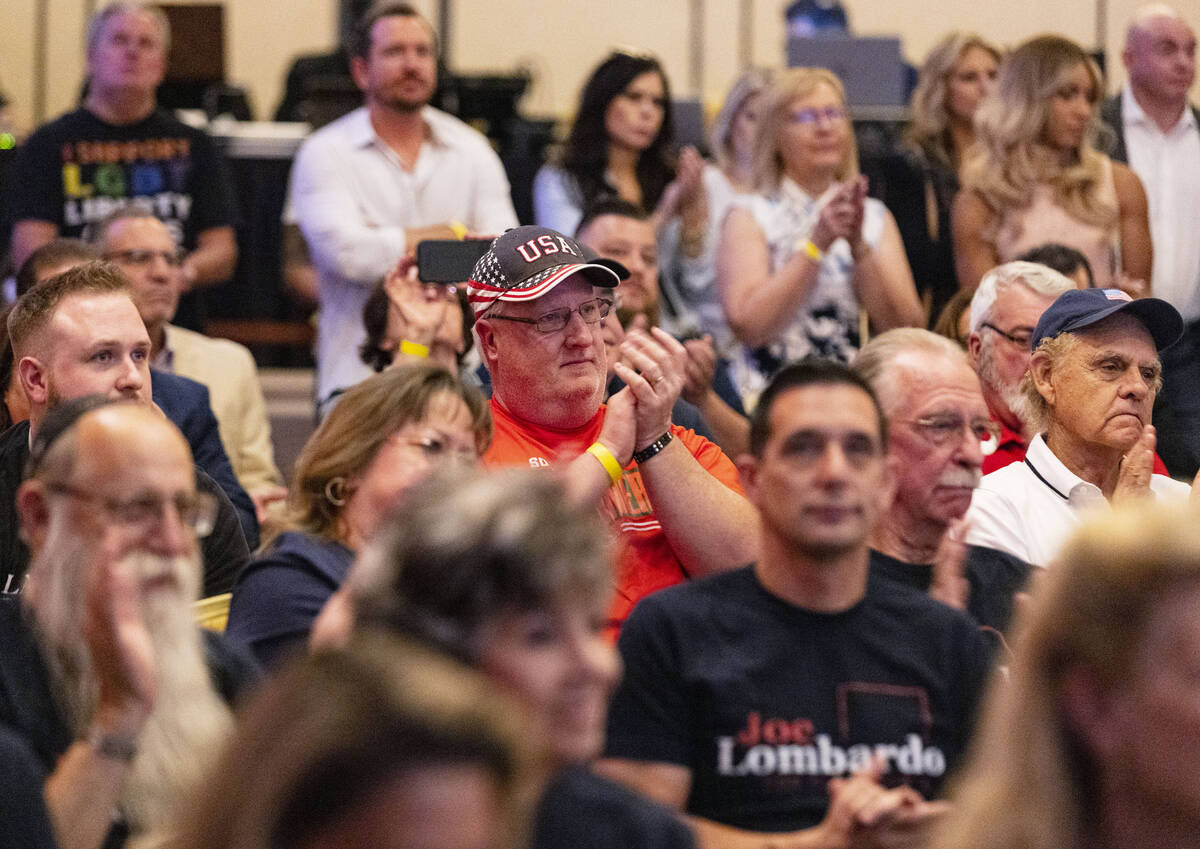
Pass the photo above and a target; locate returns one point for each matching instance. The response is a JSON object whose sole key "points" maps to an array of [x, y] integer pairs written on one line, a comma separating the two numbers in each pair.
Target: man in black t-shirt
{"points": [[799, 696], [940, 430], [121, 148]]}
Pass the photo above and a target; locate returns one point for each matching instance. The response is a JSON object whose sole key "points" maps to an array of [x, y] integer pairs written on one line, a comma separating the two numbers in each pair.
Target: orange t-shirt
{"points": [[645, 561]]}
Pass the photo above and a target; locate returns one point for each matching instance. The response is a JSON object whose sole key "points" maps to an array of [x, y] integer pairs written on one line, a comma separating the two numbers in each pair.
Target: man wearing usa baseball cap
{"points": [[1091, 384], [539, 298]]}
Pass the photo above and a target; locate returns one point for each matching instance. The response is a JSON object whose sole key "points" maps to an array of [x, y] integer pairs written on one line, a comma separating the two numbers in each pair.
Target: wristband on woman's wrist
{"points": [[600, 451], [413, 349], [809, 248]]}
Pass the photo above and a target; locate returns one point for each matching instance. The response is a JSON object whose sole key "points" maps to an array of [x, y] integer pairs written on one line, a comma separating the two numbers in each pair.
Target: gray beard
{"points": [[1012, 396], [189, 722]]}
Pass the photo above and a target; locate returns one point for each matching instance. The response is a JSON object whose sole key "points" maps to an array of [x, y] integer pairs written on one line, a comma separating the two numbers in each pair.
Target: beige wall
{"points": [[559, 43]]}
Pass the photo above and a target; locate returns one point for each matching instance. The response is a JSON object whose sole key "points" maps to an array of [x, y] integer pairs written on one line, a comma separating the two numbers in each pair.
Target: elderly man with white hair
{"points": [[1092, 379], [1006, 308]]}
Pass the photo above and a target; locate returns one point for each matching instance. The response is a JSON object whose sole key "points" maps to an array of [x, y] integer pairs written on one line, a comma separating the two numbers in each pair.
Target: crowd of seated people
{"points": [[669, 524]]}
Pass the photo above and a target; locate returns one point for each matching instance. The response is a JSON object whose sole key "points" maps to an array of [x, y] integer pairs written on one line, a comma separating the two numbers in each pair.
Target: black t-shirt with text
{"points": [[764, 701]]}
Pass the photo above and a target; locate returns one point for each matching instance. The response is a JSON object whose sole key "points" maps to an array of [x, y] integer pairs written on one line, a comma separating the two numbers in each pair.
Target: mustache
{"points": [[959, 477]]}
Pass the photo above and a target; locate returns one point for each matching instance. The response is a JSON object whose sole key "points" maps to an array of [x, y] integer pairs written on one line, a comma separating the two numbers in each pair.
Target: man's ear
{"points": [[974, 346], [33, 508], [1087, 710], [32, 375], [485, 335], [358, 70], [1040, 370], [747, 466]]}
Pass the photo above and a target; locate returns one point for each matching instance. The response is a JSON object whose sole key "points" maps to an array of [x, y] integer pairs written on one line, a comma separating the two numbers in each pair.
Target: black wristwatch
{"points": [[653, 448]]}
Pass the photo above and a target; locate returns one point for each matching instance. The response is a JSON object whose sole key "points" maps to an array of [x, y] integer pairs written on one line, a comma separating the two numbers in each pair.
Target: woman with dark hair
{"points": [[1035, 175], [504, 573], [620, 144], [385, 435]]}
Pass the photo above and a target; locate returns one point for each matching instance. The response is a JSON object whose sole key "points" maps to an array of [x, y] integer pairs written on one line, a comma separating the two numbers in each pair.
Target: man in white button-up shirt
{"points": [[371, 185], [1092, 381], [1157, 133]]}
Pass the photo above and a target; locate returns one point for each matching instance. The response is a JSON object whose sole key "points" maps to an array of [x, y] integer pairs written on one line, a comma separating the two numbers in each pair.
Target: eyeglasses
{"points": [[439, 451], [197, 510], [832, 114], [139, 258], [941, 430], [1021, 337], [590, 311]]}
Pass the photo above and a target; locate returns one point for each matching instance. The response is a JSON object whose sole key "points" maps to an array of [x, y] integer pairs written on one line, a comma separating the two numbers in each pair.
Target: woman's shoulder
{"points": [[300, 548]]}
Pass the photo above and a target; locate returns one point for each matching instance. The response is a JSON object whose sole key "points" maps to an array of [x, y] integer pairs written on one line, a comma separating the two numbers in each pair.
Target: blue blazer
{"points": [[185, 403]]}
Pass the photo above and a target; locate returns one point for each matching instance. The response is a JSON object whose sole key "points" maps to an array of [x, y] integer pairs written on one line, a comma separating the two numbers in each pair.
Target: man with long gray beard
{"points": [[104, 673]]}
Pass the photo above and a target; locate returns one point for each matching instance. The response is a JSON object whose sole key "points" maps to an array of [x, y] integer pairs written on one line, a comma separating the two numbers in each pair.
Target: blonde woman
{"points": [[1093, 741], [1035, 175], [798, 260], [920, 181]]}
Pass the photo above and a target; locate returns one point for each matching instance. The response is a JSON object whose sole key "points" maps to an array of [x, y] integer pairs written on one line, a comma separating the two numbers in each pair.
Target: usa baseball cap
{"points": [[527, 262], [1080, 308]]}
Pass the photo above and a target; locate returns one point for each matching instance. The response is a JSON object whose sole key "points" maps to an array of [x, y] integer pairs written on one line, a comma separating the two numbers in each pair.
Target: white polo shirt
{"points": [[1169, 167], [1030, 508]]}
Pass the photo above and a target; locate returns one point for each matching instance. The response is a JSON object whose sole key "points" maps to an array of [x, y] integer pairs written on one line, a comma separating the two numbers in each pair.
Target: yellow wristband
{"points": [[811, 250], [460, 230], [413, 349], [607, 460]]}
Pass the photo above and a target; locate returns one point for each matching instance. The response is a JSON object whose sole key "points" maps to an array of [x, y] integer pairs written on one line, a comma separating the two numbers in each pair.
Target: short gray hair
{"points": [[128, 7], [875, 359], [1032, 275]]}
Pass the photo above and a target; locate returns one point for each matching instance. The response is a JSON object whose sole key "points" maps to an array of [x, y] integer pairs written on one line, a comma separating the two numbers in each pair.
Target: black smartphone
{"points": [[449, 260]]}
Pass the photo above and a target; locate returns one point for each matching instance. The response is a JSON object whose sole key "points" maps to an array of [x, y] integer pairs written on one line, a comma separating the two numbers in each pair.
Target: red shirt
{"points": [[646, 561], [1012, 447]]}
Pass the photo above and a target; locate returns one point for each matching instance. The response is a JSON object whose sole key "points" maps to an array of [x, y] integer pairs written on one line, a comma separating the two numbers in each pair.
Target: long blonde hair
{"points": [[788, 86], [929, 131], [1029, 779], [1009, 158]]}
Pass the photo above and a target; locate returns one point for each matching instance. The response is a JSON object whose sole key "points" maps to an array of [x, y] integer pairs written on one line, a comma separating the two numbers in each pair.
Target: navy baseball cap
{"points": [[527, 262], [1080, 308]]}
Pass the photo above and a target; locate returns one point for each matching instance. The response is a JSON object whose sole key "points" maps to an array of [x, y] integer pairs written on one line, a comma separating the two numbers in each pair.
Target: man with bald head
{"points": [[939, 434], [104, 672], [1158, 135], [79, 334]]}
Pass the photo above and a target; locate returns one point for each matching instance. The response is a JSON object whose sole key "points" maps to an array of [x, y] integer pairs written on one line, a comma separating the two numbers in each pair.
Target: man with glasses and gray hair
{"points": [[1006, 307], [673, 496], [145, 251], [939, 434], [105, 675]]}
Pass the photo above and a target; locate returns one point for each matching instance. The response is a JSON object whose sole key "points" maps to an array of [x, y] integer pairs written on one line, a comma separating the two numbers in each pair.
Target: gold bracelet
{"points": [[811, 250], [460, 230], [413, 349], [600, 451]]}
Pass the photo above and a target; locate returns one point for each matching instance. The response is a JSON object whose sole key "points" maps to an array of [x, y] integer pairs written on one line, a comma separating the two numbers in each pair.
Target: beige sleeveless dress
{"points": [[1044, 221]]}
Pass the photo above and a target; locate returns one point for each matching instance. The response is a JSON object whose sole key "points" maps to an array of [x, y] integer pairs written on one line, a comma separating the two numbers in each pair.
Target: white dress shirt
{"points": [[1030, 508], [1169, 167], [353, 199]]}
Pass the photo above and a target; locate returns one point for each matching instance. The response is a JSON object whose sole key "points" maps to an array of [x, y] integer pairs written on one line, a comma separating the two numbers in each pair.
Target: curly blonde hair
{"points": [[929, 131], [1009, 158], [790, 85]]}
